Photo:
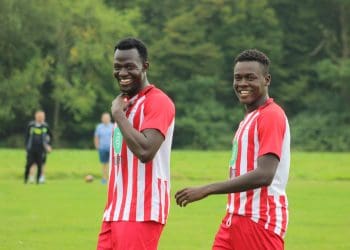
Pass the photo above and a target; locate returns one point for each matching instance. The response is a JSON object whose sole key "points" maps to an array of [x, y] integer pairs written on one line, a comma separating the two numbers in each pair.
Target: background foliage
{"points": [[57, 55]]}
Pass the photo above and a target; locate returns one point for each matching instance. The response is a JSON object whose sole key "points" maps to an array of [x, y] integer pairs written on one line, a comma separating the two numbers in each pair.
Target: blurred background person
{"points": [[102, 141], [48, 149], [37, 139]]}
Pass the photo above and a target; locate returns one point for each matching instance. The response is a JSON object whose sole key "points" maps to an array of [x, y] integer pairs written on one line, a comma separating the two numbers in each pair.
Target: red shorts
{"points": [[245, 234], [121, 235]]}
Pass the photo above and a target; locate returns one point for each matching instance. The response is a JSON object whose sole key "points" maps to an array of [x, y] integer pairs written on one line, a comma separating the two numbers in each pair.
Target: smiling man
{"points": [[139, 171], [257, 213]]}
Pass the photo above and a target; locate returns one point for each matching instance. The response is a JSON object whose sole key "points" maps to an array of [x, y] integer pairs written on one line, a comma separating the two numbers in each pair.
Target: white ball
{"points": [[89, 178]]}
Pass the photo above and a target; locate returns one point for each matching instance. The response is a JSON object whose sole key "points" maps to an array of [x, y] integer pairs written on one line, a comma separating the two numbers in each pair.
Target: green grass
{"points": [[66, 212]]}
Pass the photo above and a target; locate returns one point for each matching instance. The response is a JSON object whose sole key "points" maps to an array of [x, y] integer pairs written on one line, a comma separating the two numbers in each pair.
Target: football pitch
{"points": [[65, 213]]}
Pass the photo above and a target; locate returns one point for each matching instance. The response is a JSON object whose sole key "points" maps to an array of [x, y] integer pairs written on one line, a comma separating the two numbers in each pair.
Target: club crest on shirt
{"points": [[234, 153], [117, 140]]}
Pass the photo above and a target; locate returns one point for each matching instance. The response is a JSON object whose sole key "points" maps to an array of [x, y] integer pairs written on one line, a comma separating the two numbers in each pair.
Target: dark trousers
{"points": [[34, 157]]}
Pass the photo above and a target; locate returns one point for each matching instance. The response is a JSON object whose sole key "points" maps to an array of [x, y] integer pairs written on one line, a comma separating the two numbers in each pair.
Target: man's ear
{"points": [[267, 79], [145, 65]]}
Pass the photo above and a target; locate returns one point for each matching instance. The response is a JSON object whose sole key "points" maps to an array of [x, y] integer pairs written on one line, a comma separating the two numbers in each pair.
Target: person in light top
{"points": [[102, 142]]}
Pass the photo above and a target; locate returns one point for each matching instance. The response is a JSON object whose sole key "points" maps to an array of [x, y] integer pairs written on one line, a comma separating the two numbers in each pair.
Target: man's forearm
{"points": [[251, 180], [96, 142]]}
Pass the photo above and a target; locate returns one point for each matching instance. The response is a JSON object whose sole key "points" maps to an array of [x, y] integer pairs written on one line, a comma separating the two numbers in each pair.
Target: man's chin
{"points": [[128, 92], [124, 92], [244, 100], [125, 89]]}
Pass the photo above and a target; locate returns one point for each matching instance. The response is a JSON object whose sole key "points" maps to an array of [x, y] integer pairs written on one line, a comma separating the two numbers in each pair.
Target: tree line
{"points": [[57, 56]]}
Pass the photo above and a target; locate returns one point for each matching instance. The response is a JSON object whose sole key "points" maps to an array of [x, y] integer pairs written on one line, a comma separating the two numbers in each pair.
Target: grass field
{"points": [[65, 213]]}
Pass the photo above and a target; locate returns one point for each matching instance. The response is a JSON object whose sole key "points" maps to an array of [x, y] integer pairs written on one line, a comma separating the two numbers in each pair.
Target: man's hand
{"points": [[119, 105], [48, 148], [188, 195]]}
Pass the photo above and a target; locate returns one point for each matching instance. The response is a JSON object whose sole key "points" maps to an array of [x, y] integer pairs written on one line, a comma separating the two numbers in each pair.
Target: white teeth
{"points": [[125, 81], [244, 92]]}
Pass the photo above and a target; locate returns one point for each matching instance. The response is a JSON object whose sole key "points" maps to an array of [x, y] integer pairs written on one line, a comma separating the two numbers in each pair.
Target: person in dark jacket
{"points": [[38, 136]]}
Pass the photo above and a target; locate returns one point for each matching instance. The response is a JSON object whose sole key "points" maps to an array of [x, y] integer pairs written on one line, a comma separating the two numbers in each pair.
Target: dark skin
{"points": [[130, 71], [251, 87]]}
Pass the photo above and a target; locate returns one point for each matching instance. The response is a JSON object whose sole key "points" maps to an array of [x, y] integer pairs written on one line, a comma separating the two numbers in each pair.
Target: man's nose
{"points": [[243, 82], [240, 83], [123, 71]]}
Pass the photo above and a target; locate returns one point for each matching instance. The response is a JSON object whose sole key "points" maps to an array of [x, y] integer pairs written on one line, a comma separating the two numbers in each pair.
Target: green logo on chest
{"points": [[234, 153], [117, 140]]}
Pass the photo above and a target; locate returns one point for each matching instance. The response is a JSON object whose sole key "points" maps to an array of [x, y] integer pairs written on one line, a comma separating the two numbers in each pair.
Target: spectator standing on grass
{"points": [[32, 171], [37, 139], [257, 208], [102, 141]]}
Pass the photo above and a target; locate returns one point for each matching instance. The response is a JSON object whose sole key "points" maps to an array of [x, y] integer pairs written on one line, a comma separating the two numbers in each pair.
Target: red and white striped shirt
{"points": [[140, 191], [264, 130]]}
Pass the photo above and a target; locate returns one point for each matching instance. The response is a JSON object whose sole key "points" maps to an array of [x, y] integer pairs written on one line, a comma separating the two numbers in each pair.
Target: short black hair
{"points": [[133, 43], [254, 55]]}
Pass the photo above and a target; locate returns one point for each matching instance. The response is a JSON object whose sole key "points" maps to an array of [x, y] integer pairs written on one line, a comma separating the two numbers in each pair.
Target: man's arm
{"points": [[27, 134], [143, 144], [261, 176], [96, 141], [49, 132]]}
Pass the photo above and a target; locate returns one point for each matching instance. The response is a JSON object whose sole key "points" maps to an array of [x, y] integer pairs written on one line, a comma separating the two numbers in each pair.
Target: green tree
{"points": [[57, 55], [66, 64], [317, 58], [199, 44], [203, 122], [22, 67]]}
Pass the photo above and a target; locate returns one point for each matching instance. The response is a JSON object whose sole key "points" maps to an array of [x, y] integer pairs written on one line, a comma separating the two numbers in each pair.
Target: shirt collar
{"points": [[143, 92], [266, 103]]}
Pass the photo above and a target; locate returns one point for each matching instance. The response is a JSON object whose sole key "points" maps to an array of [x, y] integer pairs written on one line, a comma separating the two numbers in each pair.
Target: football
{"points": [[89, 178]]}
